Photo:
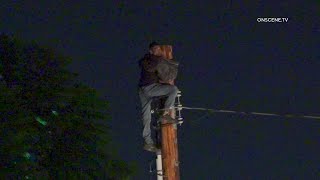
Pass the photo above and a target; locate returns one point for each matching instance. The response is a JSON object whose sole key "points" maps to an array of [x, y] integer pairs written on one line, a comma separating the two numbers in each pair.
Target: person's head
{"points": [[154, 48]]}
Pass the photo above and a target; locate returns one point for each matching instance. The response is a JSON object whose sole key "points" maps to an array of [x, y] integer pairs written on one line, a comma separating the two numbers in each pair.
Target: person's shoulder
{"points": [[155, 57], [160, 58], [174, 62], [148, 56]]}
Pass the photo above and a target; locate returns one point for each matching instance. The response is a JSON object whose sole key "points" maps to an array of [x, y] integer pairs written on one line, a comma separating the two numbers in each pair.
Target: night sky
{"points": [[228, 61]]}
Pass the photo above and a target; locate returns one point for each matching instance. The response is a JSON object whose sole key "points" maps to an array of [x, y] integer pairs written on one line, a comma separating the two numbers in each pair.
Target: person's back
{"points": [[148, 66]]}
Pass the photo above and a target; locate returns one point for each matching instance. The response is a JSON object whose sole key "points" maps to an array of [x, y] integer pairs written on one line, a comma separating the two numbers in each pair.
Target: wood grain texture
{"points": [[169, 141], [166, 51]]}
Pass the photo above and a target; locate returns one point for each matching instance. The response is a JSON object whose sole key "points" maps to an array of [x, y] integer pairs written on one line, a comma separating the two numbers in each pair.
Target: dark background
{"points": [[228, 61]]}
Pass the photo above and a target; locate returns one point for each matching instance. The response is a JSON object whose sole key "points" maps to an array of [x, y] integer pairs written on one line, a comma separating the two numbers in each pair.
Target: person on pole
{"points": [[157, 79]]}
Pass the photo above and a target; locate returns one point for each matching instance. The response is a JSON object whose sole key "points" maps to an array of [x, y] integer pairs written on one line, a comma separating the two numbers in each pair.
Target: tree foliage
{"points": [[51, 126]]}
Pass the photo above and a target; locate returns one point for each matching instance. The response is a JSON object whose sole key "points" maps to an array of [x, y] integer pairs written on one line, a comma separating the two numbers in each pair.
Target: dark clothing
{"points": [[153, 67], [167, 70], [148, 65]]}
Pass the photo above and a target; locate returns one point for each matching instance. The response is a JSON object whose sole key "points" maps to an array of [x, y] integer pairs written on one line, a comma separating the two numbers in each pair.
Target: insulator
{"points": [[178, 95], [180, 118], [152, 111], [179, 105], [179, 108], [179, 91]]}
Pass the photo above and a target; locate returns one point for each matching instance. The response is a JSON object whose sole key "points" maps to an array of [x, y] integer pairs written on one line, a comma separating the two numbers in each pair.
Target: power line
{"points": [[245, 113]]}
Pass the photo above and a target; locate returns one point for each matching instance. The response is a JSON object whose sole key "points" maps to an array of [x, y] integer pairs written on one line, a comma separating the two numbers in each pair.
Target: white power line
{"points": [[246, 113]]}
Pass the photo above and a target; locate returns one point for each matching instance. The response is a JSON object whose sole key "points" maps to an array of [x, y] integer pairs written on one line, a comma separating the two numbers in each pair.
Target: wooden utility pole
{"points": [[169, 140]]}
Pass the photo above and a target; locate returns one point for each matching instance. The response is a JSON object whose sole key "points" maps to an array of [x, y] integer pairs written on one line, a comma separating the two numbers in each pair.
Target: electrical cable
{"points": [[244, 113]]}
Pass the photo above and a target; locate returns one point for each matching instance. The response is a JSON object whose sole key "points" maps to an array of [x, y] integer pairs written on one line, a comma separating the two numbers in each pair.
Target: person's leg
{"points": [[158, 89], [146, 117]]}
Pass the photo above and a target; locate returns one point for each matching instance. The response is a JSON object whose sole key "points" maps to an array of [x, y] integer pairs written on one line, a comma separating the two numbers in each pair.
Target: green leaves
{"points": [[41, 121], [50, 125], [55, 113], [27, 155]]}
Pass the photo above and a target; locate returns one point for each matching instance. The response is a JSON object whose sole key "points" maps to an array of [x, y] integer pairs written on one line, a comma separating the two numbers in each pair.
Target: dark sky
{"points": [[228, 61]]}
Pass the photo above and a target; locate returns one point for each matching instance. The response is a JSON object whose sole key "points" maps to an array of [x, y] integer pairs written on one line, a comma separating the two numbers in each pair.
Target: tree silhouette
{"points": [[51, 126]]}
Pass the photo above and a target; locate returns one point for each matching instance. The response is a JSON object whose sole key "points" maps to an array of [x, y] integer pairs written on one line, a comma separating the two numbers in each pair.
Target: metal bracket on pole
{"points": [[179, 105]]}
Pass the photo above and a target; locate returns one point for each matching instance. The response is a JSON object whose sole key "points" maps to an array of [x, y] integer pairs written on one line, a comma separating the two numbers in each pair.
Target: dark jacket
{"points": [[155, 68], [167, 70], [148, 65]]}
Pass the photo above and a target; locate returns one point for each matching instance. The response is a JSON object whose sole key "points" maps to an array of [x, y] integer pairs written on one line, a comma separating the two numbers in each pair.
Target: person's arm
{"points": [[171, 82], [167, 71], [173, 62]]}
